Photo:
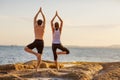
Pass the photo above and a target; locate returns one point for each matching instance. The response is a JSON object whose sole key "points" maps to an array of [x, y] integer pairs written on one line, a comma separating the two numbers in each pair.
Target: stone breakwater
{"points": [[68, 71]]}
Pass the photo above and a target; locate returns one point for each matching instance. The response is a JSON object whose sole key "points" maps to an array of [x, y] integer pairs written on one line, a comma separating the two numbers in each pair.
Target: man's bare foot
{"points": [[36, 70], [38, 61]]}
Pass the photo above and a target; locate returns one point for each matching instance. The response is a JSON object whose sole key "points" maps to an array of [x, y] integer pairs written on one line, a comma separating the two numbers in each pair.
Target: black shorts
{"points": [[58, 46], [38, 44]]}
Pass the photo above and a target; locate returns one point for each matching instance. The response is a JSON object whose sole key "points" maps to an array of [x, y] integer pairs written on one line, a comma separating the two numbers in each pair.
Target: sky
{"points": [[86, 22]]}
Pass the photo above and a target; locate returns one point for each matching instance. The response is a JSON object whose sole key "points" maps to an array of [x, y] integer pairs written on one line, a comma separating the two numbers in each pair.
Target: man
{"points": [[39, 27], [56, 43]]}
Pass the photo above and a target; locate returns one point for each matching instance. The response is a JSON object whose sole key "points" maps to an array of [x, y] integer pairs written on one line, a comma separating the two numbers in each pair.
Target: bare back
{"points": [[39, 31]]}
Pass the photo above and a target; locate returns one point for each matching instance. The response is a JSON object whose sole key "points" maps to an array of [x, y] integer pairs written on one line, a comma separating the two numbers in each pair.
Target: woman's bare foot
{"points": [[61, 52], [58, 68]]}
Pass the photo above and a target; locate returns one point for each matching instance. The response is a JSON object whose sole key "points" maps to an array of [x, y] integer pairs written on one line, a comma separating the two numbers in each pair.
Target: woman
{"points": [[56, 43]]}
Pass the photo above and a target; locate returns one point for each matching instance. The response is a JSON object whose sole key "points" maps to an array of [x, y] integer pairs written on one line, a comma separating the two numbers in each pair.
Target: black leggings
{"points": [[58, 46]]}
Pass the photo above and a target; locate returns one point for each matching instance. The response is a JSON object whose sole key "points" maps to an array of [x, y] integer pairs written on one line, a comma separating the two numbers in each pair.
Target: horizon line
{"points": [[111, 46]]}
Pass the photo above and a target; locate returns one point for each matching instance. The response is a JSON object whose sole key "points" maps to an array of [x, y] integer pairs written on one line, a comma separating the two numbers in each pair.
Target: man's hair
{"points": [[39, 22]]}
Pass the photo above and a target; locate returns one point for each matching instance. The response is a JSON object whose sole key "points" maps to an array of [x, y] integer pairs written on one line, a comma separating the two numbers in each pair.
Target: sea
{"points": [[16, 54]]}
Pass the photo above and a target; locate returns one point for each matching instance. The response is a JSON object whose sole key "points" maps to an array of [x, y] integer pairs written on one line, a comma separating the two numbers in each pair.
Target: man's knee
{"points": [[26, 48]]}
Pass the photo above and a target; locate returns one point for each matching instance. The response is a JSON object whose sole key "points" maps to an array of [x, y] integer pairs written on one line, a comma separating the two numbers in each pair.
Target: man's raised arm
{"points": [[44, 20], [35, 18]]}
